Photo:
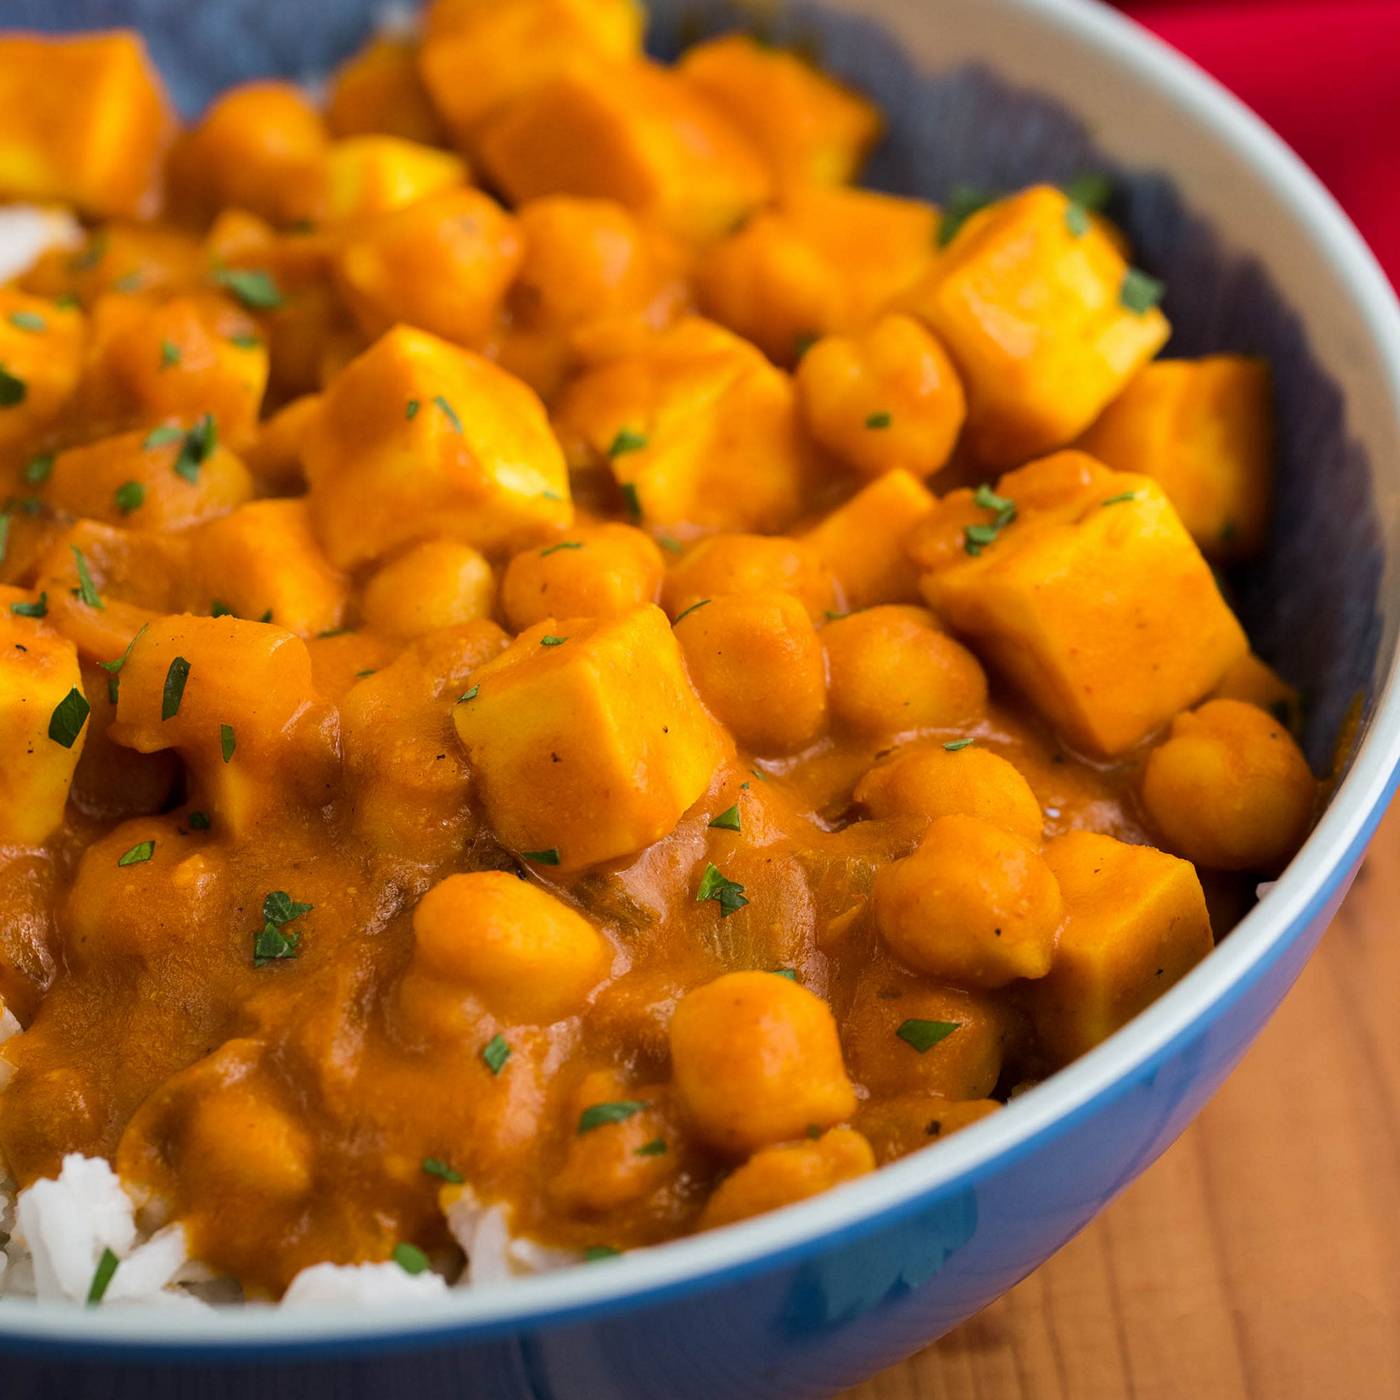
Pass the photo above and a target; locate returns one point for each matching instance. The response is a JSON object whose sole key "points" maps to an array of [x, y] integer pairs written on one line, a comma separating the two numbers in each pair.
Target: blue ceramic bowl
{"points": [[1256, 257]]}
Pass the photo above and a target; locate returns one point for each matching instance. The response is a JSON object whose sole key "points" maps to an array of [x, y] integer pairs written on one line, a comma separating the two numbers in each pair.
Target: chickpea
{"points": [[726, 564], [758, 664], [781, 1176], [757, 1060], [522, 951], [437, 584], [1230, 789], [933, 782], [974, 904], [240, 1145], [886, 398], [892, 670], [593, 571]]}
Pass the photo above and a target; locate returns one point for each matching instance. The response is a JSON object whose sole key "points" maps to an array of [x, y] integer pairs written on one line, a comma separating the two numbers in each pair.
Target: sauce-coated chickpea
{"points": [[593, 571], [757, 1060], [1230, 789], [974, 904], [726, 564], [436, 584]]}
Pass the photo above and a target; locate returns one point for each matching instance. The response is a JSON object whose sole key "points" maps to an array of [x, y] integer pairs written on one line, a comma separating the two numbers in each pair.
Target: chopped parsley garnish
{"points": [[448, 412], [627, 441], [177, 673], [728, 820], [130, 496], [550, 640], [410, 1258], [280, 908], [1119, 499], [198, 444], [27, 321], [65, 301], [113, 668], [199, 821], [435, 1166], [368, 671], [274, 941], [37, 470], [68, 718], [1139, 292], [549, 857], [600, 1115], [1076, 219], [102, 1278], [1091, 189], [963, 203], [803, 343], [169, 354], [127, 282], [40, 608], [228, 741], [162, 436], [5, 519], [686, 612], [655, 1148], [879, 420], [728, 894], [411, 411], [595, 1252], [91, 255], [789, 972], [86, 589], [469, 695], [955, 745], [12, 389], [245, 340], [219, 608], [924, 1035], [139, 854], [495, 1053], [977, 537], [255, 288], [669, 545], [632, 500], [563, 544]]}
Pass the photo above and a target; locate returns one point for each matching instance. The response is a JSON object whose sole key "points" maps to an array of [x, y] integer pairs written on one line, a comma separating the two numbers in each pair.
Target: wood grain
{"points": [[1259, 1259]]}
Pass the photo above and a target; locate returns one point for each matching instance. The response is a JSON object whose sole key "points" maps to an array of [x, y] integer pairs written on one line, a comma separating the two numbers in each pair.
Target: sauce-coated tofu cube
{"points": [[41, 350], [419, 437], [1093, 599], [1045, 321], [1135, 924], [588, 739]]}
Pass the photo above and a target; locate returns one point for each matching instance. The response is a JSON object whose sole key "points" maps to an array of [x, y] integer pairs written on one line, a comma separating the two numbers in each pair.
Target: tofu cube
{"points": [[417, 437], [1094, 600], [368, 175], [39, 749], [379, 91], [591, 747], [41, 351], [810, 128], [1135, 923], [1204, 430], [636, 133], [86, 122], [1032, 303]]}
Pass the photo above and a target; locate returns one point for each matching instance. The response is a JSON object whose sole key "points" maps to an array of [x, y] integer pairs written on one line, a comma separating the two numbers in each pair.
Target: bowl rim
{"points": [[644, 1278]]}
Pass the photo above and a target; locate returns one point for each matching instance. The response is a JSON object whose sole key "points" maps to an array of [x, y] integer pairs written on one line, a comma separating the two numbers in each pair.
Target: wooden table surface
{"points": [[1260, 1257]]}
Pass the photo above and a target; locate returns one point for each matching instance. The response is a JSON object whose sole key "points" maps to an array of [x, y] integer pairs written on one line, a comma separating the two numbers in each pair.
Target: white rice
{"points": [[27, 230]]}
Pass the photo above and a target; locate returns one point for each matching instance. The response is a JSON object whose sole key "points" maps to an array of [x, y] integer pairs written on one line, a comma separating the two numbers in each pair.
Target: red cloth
{"points": [[1325, 74]]}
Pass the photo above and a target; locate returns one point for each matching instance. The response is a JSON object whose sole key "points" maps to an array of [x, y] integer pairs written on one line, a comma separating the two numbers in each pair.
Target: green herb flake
{"points": [[139, 854], [65, 301], [410, 1258], [686, 612], [803, 343], [228, 741], [39, 608], [199, 821], [170, 354], [728, 820], [435, 1166], [671, 546], [198, 444], [655, 1148], [68, 718], [549, 857], [469, 695], [245, 340], [631, 500], [92, 254], [102, 1278], [1119, 499], [550, 640], [627, 440], [162, 436], [977, 537], [448, 412], [28, 321], [495, 1053], [114, 668], [86, 589], [127, 282], [272, 944], [789, 972], [883, 419], [37, 470], [177, 673], [130, 496], [368, 671], [924, 1035], [1076, 219], [957, 745], [728, 894], [963, 203], [1139, 292], [12, 389], [411, 411], [563, 544], [280, 908], [595, 1252], [255, 288], [1091, 189], [600, 1115]]}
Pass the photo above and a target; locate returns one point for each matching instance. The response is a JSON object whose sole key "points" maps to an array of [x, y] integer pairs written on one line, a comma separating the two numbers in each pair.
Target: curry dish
{"points": [[559, 654]]}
